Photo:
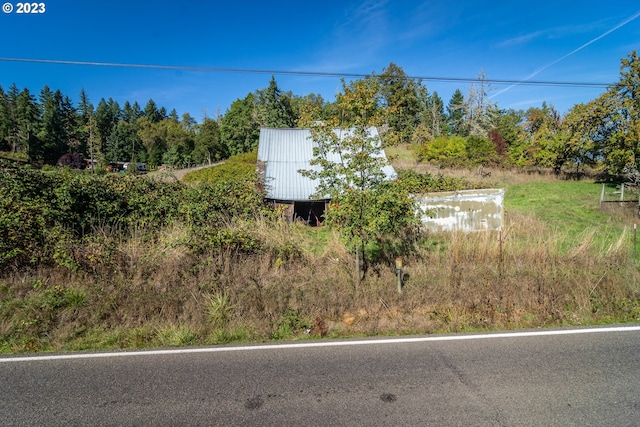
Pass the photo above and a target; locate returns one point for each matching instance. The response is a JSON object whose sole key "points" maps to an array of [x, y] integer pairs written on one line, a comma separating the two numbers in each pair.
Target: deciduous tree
{"points": [[238, 129], [400, 102], [208, 145], [365, 206]]}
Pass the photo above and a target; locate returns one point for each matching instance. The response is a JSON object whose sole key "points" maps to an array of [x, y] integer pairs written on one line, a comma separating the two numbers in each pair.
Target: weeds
{"points": [[201, 279]]}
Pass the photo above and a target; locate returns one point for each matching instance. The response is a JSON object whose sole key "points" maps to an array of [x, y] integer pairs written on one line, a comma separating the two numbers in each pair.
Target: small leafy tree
{"points": [[626, 139], [365, 206]]}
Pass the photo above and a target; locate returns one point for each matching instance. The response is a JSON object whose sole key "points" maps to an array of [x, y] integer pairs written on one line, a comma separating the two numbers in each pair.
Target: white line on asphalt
{"points": [[307, 344]]}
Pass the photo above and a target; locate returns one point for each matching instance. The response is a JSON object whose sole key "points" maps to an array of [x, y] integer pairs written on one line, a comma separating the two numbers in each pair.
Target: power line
{"points": [[304, 73]]}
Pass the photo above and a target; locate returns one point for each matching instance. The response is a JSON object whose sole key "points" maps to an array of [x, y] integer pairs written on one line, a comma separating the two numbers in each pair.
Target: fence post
{"points": [[399, 272], [501, 256], [602, 196], [621, 194]]}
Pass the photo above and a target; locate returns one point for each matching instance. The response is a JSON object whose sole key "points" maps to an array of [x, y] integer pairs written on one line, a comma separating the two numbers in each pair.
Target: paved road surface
{"points": [[589, 378]]}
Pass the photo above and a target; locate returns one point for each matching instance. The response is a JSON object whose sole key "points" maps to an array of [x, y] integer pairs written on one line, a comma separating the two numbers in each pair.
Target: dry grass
{"points": [[144, 288]]}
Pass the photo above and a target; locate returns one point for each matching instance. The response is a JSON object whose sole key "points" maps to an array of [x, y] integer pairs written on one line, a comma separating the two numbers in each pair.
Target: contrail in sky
{"points": [[539, 70]]}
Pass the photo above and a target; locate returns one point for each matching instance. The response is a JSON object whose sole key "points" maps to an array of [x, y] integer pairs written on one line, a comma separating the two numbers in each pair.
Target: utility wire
{"points": [[303, 73]]}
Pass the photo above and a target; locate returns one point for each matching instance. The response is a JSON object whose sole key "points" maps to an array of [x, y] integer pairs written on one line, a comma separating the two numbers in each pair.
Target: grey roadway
{"points": [[590, 378]]}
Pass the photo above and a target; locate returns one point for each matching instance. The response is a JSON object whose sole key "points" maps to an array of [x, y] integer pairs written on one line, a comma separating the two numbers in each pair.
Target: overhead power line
{"points": [[304, 73]]}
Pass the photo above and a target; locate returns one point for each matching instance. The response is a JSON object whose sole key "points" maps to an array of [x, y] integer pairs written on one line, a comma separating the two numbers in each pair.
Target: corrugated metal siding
{"points": [[285, 152]]}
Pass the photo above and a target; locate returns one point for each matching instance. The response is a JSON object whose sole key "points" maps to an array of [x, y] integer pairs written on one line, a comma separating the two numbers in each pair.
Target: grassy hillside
{"points": [[127, 262]]}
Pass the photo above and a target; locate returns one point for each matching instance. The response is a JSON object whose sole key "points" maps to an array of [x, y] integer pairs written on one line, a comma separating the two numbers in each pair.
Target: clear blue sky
{"points": [[556, 41]]}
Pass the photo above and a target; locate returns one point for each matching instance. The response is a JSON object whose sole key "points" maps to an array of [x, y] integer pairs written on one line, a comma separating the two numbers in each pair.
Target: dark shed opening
{"points": [[312, 212]]}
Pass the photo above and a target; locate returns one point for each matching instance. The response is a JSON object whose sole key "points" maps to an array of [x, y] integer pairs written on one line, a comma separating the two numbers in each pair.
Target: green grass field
{"points": [[572, 208]]}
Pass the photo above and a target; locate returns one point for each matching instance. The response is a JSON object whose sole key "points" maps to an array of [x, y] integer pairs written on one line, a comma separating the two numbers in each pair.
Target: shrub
{"points": [[444, 150], [72, 160]]}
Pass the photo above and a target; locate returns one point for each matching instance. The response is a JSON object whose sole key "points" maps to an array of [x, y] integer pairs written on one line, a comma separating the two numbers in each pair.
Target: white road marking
{"points": [[307, 344]]}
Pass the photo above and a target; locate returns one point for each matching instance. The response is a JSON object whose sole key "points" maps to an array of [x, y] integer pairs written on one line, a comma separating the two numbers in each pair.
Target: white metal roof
{"points": [[285, 152]]}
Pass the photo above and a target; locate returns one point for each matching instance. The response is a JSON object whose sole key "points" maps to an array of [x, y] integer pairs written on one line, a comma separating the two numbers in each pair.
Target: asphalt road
{"points": [[588, 378]]}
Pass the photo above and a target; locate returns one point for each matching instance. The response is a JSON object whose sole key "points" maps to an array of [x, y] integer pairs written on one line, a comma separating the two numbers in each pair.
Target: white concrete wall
{"points": [[467, 210]]}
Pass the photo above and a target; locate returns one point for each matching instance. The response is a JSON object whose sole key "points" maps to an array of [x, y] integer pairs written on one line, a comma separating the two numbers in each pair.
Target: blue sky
{"points": [[550, 41]]}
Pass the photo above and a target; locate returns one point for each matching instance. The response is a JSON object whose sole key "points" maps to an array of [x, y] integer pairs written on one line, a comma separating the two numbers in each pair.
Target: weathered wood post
{"points": [[399, 273]]}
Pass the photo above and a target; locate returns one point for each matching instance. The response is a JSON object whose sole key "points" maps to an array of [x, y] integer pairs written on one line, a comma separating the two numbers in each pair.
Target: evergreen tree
{"points": [[27, 125], [5, 121], [124, 144], [151, 112], [70, 130], [273, 107], [136, 111], [107, 116], [93, 146], [456, 112], [163, 113], [127, 113], [52, 134], [434, 116], [83, 117]]}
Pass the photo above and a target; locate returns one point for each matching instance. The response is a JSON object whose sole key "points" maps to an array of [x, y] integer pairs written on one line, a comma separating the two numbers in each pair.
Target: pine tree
{"points": [[456, 112], [52, 132], [5, 121], [13, 136], [127, 112], [83, 116], [273, 107], [107, 116], [436, 118]]}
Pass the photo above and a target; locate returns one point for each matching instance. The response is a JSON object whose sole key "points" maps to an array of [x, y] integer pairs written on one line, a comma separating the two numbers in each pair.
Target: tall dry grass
{"points": [[151, 289]]}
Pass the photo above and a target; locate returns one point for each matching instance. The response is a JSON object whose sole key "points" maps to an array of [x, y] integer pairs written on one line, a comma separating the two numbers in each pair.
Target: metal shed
{"points": [[284, 152]]}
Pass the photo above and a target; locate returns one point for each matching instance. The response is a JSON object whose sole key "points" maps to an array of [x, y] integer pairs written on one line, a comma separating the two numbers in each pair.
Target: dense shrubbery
{"points": [[43, 213], [456, 151], [240, 168], [119, 261]]}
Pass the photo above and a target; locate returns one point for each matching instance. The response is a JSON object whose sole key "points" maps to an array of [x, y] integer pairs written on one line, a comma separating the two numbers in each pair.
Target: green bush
{"points": [[46, 216], [444, 150]]}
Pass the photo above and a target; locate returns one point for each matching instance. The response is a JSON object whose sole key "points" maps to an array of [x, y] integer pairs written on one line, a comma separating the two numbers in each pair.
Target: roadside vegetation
{"points": [[97, 260]]}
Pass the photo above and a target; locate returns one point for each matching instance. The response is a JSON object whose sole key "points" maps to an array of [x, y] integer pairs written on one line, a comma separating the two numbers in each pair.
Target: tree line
{"points": [[469, 130]]}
